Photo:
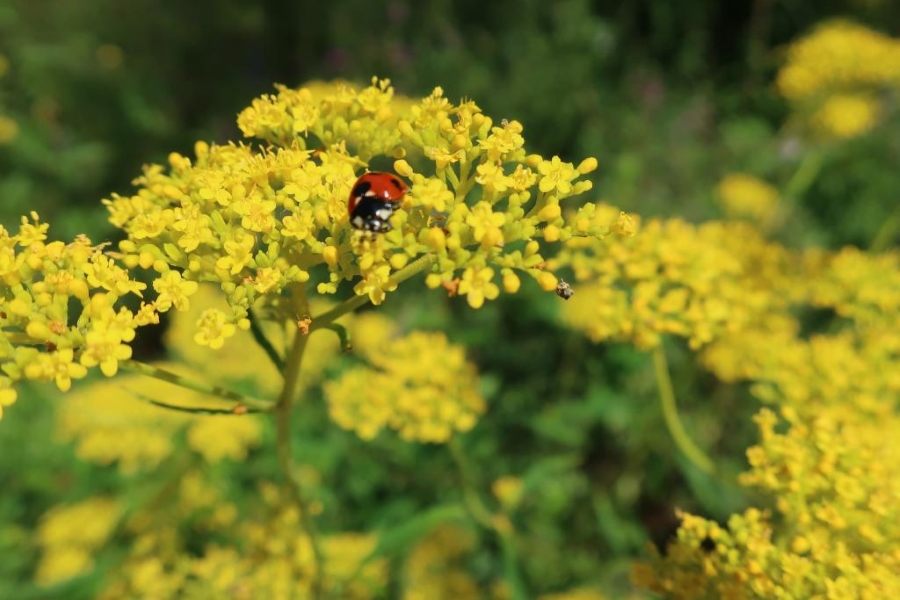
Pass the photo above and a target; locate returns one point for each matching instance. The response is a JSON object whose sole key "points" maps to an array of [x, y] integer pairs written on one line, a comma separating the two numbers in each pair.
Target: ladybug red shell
{"points": [[373, 199]]}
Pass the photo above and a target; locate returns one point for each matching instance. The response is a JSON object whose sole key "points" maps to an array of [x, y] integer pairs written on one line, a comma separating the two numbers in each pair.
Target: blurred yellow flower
{"points": [[9, 130], [274, 559], [508, 490], [839, 54], [745, 196], [216, 437], [110, 425], [698, 282], [69, 535], [845, 116], [832, 76], [419, 385], [435, 569]]}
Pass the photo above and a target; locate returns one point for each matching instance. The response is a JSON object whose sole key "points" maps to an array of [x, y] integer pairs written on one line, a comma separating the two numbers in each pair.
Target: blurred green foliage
{"points": [[668, 97]]}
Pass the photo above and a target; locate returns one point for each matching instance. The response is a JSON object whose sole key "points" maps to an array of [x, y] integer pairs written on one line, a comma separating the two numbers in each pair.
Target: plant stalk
{"points": [[670, 413]]}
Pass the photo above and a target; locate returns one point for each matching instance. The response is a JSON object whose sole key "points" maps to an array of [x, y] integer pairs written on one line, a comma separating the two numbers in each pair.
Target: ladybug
{"points": [[373, 199]]}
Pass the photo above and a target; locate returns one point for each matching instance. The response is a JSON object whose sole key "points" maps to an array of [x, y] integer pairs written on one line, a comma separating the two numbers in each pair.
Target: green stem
{"points": [[477, 509], [483, 516], [264, 343], [670, 412], [511, 566], [324, 320], [285, 456], [343, 335], [799, 183], [197, 386], [451, 176], [237, 410], [886, 232], [805, 174]]}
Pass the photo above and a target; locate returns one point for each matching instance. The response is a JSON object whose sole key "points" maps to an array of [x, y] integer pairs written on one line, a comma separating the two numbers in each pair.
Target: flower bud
{"points": [[511, 283], [547, 281], [403, 168], [587, 165]]}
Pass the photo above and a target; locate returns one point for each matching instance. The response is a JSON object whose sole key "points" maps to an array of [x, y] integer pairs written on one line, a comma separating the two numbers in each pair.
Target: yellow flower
{"points": [[237, 252], [845, 116], [492, 177], [839, 54], [673, 278], [213, 328], [104, 347], [56, 366], [218, 437], [743, 195], [9, 130], [109, 426], [486, 225], [508, 491], [435, 568], [477, 285], [556, 175], [503, 142], [88, 523], [193, 225], [173, 290], [834, 74], [256, 213], [420, 386], [68, 535], [376, 284]]}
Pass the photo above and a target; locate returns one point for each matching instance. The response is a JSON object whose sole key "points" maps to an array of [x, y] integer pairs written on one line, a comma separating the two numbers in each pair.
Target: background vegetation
{"points": [[669, 100]]}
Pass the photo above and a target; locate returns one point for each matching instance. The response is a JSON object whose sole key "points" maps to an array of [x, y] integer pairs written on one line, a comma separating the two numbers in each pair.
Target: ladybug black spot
{"points": [[397, 183], [360, 189]]}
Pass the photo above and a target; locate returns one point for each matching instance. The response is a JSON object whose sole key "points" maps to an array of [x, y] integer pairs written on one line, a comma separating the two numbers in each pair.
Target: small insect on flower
{"points": [[564, 290], [373, 199]]}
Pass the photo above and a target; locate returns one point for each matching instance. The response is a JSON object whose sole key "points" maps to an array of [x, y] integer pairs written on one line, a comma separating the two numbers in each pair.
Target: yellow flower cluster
{"points": [[839, 54], [70, 535], [826, 456], [849, 367], [419, 385], [275, 560], [858, 286], [698, 282], [748, 197], [60, 310], [435, 569], [832, 73], [262, 222], [835, 482], [270, 225], [845, 116]]}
